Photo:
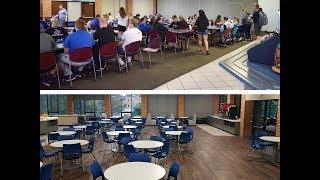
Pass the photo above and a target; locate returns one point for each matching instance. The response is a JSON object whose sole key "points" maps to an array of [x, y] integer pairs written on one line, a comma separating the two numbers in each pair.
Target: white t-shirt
{"points": [[122, 21], [131, 35], [229, 24]]}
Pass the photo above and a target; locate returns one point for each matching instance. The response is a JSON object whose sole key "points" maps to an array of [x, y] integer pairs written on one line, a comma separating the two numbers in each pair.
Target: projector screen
{"points": [[271, 8], [74, 11]]}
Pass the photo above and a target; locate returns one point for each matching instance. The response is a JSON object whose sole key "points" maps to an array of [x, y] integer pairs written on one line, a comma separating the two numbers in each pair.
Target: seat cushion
{"points": [[50, 153]]}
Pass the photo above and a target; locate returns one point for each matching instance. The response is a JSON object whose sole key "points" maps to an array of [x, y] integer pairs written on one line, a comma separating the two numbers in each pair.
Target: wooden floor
{"points": [[216, 157]]}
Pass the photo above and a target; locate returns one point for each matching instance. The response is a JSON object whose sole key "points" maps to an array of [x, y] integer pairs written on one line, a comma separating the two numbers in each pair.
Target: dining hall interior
{"points": [[171, 52], [157, 136]]}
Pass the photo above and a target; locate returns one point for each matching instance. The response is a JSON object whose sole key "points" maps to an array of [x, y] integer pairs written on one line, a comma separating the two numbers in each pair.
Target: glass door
{"points": [[264, 116]]}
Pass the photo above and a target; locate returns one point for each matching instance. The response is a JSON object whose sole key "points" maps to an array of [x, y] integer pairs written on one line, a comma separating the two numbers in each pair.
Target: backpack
{"points": [[263, 19]]}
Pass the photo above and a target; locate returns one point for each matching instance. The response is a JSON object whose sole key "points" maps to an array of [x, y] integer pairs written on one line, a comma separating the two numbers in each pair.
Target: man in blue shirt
{"points": [[76, 40], [62, 15]]}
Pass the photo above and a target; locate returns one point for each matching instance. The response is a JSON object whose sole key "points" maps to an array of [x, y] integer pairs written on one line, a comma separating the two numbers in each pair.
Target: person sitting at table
{"points": [[182, 23], [75, 28], [173, 18], [137, 16], [174, 23], [103, 35], [95, 23], [236, 24], [76, 40], [56, 31], [228, 23], [47, 44], [145, 28], [132, 34], [202, 23], [160, 28], [44, 23], [122, 20], [218, 21]]}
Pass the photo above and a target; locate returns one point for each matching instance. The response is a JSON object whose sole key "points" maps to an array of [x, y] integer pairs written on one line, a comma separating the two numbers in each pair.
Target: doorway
{"points": [[264, 116]]}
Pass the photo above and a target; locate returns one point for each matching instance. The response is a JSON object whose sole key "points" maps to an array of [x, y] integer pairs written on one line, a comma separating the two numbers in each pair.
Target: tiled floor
{"points": [[212, 130], [209, 77]]}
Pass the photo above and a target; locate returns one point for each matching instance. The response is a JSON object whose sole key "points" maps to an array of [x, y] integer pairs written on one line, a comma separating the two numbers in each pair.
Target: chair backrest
{"points": [[47, 60], [139, 157], [77, 134], [81, 54], [226, 31], [166, 147], [133, 48], [153, 34], [119, 129], [261, 133], [171, 37], [53, 136], [108, 50], [156, 138], [91, 144], [105, 136], [90, 130], [168, 129], [65, 137], [155, 43], [95, 124], [96, 170], [174, 170], [185, 137], [184, 127], [71, 150], [46, 172], [123, 135], [128, 149], [174, 127], [126, 140]]}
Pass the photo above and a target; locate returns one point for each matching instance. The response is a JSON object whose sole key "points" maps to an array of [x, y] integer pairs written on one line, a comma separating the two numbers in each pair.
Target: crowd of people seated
{"points": [[100, 31]]}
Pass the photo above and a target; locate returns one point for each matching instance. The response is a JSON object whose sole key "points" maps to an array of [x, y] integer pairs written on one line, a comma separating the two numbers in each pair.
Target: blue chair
{"points": [[77, 135], [184, 127], [119, 129], [139, 157], [174, 127], [41, 155], [191, 131], [68, 129], [71, 152], [119, 125], [126, 140], [258, 134], [129, 149], [185, 138], [107, 140], [157, 138], [96, 126], [70, 126], [90, 131], [90, 148], [164, 151], [46, 172], [165, 137], [168, 129], [53, 137], [65, 137], [121, 136], [47, 154], [255, 146], [174, 170], [136, 134], [96, 170]]}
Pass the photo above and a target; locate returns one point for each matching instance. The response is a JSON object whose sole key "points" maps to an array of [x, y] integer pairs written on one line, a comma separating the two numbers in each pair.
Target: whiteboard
{"points": [[74, 11]]}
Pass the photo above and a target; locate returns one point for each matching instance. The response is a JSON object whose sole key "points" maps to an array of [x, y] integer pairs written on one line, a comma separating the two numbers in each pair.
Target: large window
{"points": [[53, 104], [89, 107], [129, 104]]}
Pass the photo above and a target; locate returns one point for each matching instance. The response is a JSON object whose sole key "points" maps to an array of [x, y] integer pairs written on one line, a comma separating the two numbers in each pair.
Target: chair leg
{"points": [[141, 59], [94, 69], [125, 61], [162, 55], [82, 164], [58, 76], [149, 60], [179, 148], [100, 66], [70, 75], [61, 166]]}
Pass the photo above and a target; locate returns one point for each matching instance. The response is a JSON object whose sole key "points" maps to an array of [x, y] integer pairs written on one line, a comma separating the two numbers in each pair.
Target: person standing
{"points": [[62, 15], [122, 21], [202, 23], [256, 16], [246, 24]]}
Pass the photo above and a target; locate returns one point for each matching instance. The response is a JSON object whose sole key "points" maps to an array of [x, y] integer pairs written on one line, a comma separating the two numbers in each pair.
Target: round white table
{"points": [[174, 122], [41, 164], [276, 147], [135, 170], [146, 144], [59, 144], [80, 127], [161, 117], [129, 126], [174, 133], [167, 126], [138, 122], [136, 119], [116, 133], [64, 133], [271, 139]]}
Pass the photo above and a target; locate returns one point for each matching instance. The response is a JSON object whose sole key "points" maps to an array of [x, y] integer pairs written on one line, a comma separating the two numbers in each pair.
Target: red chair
{"points": [[171, 38], [153, 34], [108, 51], [227, 36], [131, 50], [153, 48], [48, 62], [82, 55]]}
